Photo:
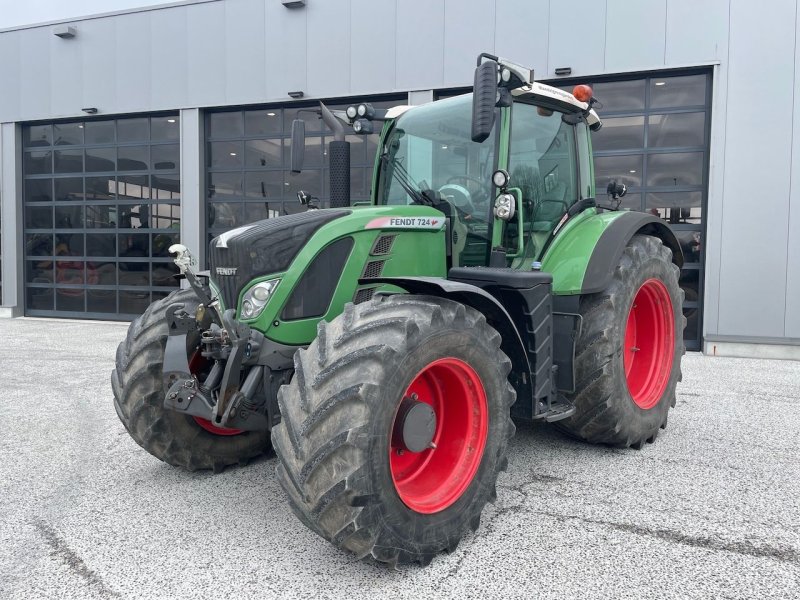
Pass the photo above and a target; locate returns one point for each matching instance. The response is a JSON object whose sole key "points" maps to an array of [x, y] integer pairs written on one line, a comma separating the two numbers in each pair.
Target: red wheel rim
{"points": [[649, 344], [431, 480], [196, 365]]}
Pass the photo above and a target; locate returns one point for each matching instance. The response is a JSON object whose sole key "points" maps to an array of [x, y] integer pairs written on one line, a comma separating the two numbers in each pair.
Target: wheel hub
{"points": [[415, 425], [438, 435]]}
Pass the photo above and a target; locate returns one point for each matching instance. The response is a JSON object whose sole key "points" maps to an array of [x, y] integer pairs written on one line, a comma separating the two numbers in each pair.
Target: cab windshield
{"points": [[429, 155]]}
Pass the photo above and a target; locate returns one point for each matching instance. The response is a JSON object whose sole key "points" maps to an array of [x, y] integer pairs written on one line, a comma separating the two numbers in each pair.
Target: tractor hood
{"points": [[321, 259], [269, 246]]}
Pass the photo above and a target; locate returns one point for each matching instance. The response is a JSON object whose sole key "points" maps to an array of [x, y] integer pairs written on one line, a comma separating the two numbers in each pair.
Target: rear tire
{"points": [[338, 458], [618, 401], [170, 436]]}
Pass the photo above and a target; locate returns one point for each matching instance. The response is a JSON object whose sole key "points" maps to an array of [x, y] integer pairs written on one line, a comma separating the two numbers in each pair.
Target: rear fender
{"points": [[582, 258]]}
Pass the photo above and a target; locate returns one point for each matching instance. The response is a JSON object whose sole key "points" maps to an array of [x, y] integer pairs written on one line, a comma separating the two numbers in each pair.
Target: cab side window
{"points": [[542, 165]]}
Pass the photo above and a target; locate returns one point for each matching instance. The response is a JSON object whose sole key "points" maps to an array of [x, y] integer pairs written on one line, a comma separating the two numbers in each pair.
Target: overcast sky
{"points": [[27, 12]]}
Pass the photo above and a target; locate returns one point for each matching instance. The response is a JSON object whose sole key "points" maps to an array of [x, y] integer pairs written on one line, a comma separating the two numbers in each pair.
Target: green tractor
{"points": [[383, 349]]}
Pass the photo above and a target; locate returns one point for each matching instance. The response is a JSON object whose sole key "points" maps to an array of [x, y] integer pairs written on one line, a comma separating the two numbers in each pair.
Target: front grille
{"points": [[374, 268], [262, 248]]}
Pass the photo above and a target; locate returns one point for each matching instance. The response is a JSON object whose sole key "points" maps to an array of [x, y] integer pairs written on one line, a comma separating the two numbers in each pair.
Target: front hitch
{"points": [[232, 406]]}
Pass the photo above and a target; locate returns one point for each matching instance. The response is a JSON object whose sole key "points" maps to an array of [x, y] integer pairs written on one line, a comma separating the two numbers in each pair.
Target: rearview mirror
{"points": [[484, 99], [298, 145]]}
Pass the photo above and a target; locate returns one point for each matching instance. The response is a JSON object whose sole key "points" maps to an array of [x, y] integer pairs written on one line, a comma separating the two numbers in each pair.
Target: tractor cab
{"points": [[504, 196]]}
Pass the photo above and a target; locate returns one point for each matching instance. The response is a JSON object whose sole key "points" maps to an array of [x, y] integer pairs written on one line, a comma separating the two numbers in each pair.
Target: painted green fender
{"points": [[583, 255]]}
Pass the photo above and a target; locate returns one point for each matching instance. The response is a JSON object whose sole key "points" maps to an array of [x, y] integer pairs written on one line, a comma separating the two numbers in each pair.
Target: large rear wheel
{"points": [[175, 438], [628, 357], [395, 427]]}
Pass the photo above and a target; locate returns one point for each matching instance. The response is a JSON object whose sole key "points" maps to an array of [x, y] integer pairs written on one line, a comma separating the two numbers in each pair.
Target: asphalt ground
{"points": [[711, 510]]}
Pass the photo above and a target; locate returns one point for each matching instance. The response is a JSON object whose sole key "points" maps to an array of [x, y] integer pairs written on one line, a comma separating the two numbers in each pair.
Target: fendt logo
{"points": [[226, 270]]}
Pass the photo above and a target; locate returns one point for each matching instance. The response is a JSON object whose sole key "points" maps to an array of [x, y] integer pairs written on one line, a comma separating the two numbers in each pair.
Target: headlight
{"points": [[504, 206], [255, 299]]}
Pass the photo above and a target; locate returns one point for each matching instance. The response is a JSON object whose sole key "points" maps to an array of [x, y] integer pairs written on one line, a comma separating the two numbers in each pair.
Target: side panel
{"points": [[413, 252]]}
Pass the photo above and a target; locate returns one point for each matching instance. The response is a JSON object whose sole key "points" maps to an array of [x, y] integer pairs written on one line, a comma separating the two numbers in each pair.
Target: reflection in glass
{"points": [[263, 153], [68, 161], [133, 187], [67, 134], [101, 244], [221, 185], [133, 130], [101, 188], [132, 158], [99, 132], [673, 169], [69, 217], [667, 92], [101, 159], [39, 271], [620, 95], [265, 184], [163, 129], [620, 133], [263, 122], [675, 129], [38, 135], [39, 217], [38, 244], [166, 187], [225, 215], [225, 124], [68, 188], [165, 157], [225, 155], [625, 169], [38, 162], [38, 190], [676, 207], [691, 245]]}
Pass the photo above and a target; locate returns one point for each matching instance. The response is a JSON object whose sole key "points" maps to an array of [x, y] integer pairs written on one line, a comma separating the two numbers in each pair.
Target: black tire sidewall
{"points": [[403, 521], [654, 267]]}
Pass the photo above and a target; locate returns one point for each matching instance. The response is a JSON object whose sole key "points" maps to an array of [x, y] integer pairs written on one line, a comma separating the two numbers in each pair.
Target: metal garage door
{"points": [[655, 139], [102, 205], [247, 158]]}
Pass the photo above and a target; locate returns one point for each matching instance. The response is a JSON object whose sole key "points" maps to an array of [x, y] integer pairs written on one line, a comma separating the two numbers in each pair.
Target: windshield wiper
{"points": [[404, 179]]}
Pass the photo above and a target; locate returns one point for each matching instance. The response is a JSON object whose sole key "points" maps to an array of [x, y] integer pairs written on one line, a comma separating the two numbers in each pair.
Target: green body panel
{"points": [[568, 255], [415, 252]]}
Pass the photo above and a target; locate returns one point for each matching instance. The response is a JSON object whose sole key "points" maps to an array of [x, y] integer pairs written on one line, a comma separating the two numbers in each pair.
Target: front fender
{"points": [[583, 256]]}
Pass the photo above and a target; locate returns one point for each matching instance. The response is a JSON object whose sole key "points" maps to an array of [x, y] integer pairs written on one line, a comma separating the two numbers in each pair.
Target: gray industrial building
{"points": [[124, 132]]}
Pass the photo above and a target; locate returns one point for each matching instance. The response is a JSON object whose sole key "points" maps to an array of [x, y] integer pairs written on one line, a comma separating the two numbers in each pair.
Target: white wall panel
{"points": [[792, 321], [757, 164], [206, 60], [10, 65], [66, 83], [577, 36], [328, 47], [468, 30], [372, 49], [132, 70], [697, 31], [635, 34], [35, 74], [167, 59], [97, 42], [521, 33], [245, 45], [419, 44], [285, 45]]}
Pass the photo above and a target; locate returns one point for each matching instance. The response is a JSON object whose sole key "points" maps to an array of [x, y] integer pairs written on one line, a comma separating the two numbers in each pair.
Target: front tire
{"points": [[347, 474], [628, 356], [175, 438]]}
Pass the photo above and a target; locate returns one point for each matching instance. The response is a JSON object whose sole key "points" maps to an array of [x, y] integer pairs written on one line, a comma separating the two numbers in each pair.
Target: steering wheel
{"points": [[483, 185]]}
